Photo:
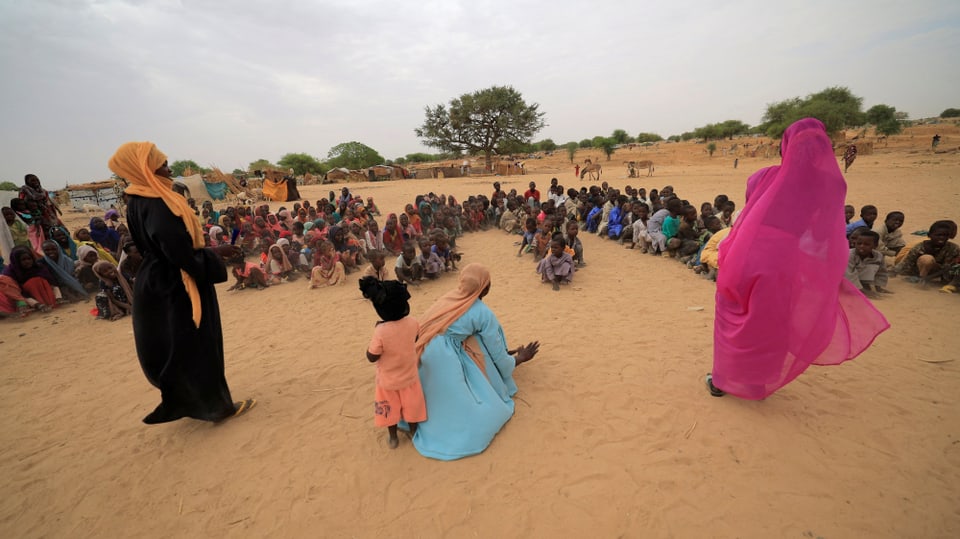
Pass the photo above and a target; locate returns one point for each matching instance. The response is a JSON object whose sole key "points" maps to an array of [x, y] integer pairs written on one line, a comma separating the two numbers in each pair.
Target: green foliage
{"points": [[238, 172], [571, 150], [178, 167], [420, 157], [649, 137], [493, 120], [302, 163], [689, 135], [261, 164], [727, 129], [836, 107], [885, 118], [352, 155], [546, 145], [620, 136], [8, 186], [674, 138], [597, 141], [950, 113], [586, 143], [607, 145], [711, 147], [400, 160]]}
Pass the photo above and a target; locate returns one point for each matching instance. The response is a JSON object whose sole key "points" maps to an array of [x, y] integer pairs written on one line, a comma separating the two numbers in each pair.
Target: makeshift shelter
{"points": [[198, 189], [105, 194]]}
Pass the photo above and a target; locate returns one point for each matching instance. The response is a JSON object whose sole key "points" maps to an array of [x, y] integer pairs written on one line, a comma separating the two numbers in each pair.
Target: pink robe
{"points": [[782, 302]]}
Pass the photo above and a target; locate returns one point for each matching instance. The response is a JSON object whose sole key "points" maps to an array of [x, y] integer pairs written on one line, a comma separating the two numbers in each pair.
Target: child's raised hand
{"points": [[526, 352]]}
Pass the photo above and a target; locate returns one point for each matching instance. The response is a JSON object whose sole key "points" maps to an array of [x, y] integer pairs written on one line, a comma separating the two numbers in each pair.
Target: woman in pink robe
{"points": [[782, 302]]}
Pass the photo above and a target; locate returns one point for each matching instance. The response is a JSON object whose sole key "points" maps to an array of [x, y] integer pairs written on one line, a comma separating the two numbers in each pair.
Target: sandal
{"points": [[241, 408], [714, 390]]}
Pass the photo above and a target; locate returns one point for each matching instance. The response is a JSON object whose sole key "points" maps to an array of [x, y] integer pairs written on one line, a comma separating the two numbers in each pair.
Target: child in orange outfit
{"points": [[392, 347]]}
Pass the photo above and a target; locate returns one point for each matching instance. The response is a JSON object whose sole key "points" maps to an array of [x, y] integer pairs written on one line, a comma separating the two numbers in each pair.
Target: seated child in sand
{"points": [[277, 267], [848, 212], [377, 267], [865, 268], [868, 214], [327, 268], [398, 393], [432, 264], [247, 274], [408, 267], [573, 242], [927, 260], [443, 249], [891, 234], [557, 267], [639, 235]]}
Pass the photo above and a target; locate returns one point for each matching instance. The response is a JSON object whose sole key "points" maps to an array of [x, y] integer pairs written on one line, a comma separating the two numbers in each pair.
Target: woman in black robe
{"points": [[176, 318]]}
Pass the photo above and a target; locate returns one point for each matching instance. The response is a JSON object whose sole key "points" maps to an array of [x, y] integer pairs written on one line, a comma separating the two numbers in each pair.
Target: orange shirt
{"points": [[395, 343]]}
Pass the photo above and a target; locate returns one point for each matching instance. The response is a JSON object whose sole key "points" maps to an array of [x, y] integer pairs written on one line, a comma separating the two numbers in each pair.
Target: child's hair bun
{"points": [[372, 289]]}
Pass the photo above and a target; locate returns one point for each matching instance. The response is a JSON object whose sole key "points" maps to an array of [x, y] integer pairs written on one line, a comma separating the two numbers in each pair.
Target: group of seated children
{"points": [[325, 245], [46, 267], [934, 260]]}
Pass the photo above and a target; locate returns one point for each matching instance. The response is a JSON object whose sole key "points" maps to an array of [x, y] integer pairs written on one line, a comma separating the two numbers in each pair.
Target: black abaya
{"points": [[185, 362]]}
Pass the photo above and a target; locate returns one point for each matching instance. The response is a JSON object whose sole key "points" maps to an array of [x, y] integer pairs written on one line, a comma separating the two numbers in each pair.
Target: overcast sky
{"points": [[227, 82]]}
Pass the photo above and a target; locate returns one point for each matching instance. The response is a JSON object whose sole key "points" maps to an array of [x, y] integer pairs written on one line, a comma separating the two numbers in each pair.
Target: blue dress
{"points": [[465, 408]]}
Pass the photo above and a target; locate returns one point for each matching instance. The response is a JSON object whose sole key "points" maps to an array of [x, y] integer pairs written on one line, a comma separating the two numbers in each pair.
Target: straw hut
{"points": [[105, 194]]}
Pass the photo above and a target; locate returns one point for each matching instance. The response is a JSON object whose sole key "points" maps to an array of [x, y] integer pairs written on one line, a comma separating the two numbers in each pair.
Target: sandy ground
{"points": [[614, 433]]}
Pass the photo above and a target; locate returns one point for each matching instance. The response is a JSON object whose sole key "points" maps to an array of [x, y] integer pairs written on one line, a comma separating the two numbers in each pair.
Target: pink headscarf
{"points": [[782, 302]]}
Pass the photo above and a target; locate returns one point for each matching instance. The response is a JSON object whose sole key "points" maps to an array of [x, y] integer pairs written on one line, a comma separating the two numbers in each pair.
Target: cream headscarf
{"points": [[474, 279], [137, 162]]}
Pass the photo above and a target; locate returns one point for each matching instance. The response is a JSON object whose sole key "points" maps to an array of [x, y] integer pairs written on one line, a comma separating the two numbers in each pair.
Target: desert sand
{"points": [[614, 433]]}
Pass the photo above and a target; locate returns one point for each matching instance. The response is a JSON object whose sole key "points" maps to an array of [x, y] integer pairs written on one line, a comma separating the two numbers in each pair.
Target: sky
{"points": [[225, 83]]}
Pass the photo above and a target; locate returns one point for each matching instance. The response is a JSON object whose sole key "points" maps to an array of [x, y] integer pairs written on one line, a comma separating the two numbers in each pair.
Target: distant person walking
{"points": [[936, 140], [849, 156], [576, 170]]}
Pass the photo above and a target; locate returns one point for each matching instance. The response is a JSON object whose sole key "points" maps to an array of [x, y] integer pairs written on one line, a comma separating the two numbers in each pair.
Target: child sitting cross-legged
{"points": [[865, 268], [557, 267], [377, 268], [398, 393], [429, 260]]}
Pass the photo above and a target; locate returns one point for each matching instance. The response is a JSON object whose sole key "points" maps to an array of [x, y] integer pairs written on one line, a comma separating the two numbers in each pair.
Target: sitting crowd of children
{"points": [[342, 236]]}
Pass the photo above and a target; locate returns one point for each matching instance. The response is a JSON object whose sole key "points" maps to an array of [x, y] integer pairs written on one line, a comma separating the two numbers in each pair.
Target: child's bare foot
{"points": [[556, 286], [393, 442]]}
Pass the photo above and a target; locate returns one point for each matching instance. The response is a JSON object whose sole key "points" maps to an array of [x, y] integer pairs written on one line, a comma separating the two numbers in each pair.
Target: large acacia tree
{"points": [[492, 121]]}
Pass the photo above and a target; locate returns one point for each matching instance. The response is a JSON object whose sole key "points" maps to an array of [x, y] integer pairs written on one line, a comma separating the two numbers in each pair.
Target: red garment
{"points": [[39, 289], [531, 193]]}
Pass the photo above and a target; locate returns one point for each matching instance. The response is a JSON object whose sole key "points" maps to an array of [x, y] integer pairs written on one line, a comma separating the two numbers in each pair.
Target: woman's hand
{"points": [[525, 353], [228, 251]]}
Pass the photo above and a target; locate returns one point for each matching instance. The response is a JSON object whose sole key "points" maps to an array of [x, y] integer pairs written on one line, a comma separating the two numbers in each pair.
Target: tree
{"points": [[487, 121], [607, 145], [547, 145], [674, 138], [731, 128], [238, 172], [586, 143], [261, 164], [571, 150], [712, 147], [884, 117], [950, 113], [620, 136], [836, 107], [178, 167], [302, 163], [649, 137], [352, 155], [8, 186]]}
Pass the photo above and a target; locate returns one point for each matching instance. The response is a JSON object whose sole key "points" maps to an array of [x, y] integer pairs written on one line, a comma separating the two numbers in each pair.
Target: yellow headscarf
{"points": [[137, 162]]}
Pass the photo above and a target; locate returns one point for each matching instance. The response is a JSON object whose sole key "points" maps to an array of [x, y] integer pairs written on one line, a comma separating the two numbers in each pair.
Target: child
{"points": [[277, 267], [557, 267], [868, 214], [928, 259], [398, 392], [408, 267], [327, 268], [115, 288], [247, 274], [640, 235], [376, 268], [573, 242], [891, 237], [529, 235], [543, 239], [865, 267], [442, 249], [431, 263]]}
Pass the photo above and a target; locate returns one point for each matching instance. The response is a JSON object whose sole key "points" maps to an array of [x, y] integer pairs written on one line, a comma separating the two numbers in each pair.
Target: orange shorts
{"points": [[392, 404]]}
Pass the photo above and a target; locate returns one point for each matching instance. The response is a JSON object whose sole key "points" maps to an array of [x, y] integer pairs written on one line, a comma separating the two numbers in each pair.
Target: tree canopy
{"points": [[489, 121], [950, 113], [648, 137], [178, 167], [353, 155], [302, 163], [261, 164], [620, 136], [884, 117], [607, 144], [8, 186], [571, 150], [836, 107]]}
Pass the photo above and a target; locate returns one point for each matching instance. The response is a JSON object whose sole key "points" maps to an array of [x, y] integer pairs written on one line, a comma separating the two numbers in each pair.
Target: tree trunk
{"points": [[488, 161]]}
